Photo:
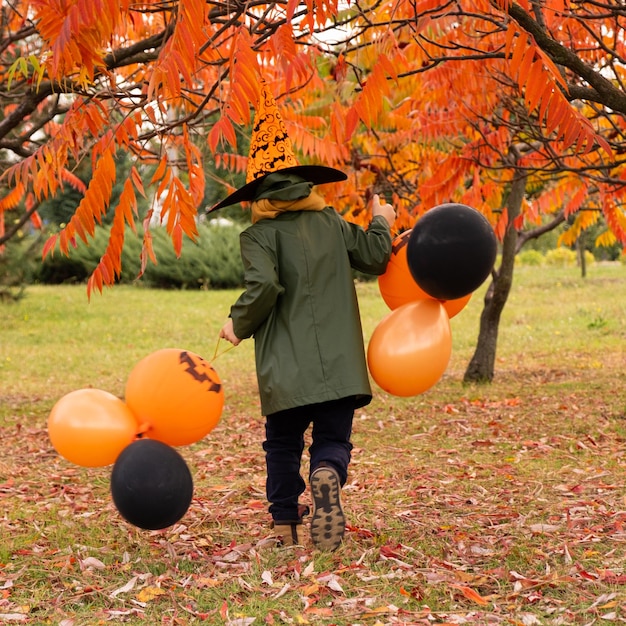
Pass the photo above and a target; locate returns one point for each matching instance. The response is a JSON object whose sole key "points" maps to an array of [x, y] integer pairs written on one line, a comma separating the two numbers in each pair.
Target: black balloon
{"points": [[451, 251], [151, 484]]}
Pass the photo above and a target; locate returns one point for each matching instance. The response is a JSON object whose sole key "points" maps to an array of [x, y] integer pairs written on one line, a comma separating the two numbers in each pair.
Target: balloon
{"points": [[397, 286], [410, 348], [151, 484], [176, 395], [454, 307], [451, 251], [90, 427]]}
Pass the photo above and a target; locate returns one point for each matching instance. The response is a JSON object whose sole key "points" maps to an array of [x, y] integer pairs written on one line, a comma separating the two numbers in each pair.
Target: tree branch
{"points": [[10, 232], [607, 93], [525, 236]]}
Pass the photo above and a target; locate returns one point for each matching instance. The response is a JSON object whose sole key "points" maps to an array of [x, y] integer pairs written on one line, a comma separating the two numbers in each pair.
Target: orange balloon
{"points": [[176, 395], [398, 287], [410, 348], [453, 307], [90, 427]]}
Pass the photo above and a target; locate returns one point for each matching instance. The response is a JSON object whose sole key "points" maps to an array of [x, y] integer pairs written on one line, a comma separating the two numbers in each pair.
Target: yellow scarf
{"points": [[268, 209]]}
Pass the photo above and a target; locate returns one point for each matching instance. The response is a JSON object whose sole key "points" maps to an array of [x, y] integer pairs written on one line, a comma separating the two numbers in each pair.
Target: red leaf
{"points": [[49, 246], [502, 224]]}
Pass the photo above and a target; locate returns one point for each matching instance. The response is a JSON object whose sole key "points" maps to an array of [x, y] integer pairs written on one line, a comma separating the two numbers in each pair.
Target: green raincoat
{"points": [[301, 307]]}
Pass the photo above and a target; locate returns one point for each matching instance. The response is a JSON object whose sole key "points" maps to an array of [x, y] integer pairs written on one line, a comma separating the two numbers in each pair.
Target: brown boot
{"points": [[291, 533], [328, 524]]}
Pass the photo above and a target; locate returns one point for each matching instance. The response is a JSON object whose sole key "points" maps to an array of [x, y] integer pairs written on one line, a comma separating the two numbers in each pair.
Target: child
{"points": [[301, 307]]}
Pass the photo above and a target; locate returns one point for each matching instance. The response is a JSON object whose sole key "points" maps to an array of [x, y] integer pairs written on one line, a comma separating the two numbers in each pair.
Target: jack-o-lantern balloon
{"points": [[176, 396]]}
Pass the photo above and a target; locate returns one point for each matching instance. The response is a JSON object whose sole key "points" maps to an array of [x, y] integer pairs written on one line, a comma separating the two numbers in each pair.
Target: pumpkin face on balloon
{"points": [[176, 396]]}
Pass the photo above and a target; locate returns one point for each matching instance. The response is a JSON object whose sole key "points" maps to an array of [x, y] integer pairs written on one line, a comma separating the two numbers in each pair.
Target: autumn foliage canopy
{"points": [[424, 102]]}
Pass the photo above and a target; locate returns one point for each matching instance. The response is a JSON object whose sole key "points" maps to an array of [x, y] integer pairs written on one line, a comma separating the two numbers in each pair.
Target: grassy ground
{"points": [[499, 504]]}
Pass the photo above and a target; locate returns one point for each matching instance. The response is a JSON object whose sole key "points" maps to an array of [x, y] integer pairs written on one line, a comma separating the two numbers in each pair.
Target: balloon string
{"points": [[217, 345]]}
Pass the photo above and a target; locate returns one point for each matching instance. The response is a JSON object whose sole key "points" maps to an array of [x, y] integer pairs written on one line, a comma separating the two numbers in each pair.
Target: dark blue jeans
{"points": [[284, 445]]}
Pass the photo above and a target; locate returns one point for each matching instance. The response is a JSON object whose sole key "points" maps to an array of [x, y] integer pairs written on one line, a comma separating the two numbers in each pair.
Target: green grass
{"points": [[498, 504]]}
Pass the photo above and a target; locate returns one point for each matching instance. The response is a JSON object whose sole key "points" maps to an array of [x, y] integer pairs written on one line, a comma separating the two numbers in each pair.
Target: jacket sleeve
{"points": [[369, 250], [262, 288]]}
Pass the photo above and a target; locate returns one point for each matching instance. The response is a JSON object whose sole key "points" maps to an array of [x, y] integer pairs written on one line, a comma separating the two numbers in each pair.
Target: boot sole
{"points": [[328, 523]]}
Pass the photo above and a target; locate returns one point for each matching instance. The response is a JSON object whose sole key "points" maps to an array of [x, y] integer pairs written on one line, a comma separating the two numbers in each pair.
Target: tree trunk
{"points": [[581, 254], [482, 365]]}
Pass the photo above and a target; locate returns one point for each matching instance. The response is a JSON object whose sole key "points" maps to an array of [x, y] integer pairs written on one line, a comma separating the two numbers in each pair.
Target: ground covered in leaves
{"points": [[464, 507], [488, 505]]}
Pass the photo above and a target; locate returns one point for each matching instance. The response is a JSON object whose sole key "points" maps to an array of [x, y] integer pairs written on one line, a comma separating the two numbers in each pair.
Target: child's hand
{"points": [[228, 333], [386, 210]]}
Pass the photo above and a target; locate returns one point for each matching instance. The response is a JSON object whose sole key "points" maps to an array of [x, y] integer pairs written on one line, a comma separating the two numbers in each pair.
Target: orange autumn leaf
{"points": [[420, 110], [470, 594]]}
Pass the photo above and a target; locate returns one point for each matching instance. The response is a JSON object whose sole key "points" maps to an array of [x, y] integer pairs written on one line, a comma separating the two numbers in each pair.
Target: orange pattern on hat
{"points": [[270, 147]]}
